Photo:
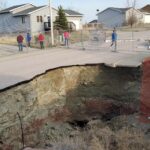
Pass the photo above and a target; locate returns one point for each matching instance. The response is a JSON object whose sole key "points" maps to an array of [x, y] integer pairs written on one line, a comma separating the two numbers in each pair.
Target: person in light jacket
{"points": [[66, 36], [41, 39]]}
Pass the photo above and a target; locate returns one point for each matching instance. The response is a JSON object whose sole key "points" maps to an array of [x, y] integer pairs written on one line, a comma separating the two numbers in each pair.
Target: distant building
{"points": [[114, 17], [93, 25], [30, 18]]}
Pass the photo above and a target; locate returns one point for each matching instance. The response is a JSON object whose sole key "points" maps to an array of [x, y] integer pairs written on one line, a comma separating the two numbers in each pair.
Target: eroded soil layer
{"points": [[52, 105]]}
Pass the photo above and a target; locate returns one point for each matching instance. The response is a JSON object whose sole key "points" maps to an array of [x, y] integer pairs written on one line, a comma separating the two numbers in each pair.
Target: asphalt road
{"points": [[22, 66]]}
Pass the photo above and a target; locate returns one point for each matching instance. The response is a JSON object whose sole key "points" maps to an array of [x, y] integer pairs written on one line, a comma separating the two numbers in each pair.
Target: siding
{"points": [[147, 18], [10, 24], [76, 20], [111, 18], [39, 26]]}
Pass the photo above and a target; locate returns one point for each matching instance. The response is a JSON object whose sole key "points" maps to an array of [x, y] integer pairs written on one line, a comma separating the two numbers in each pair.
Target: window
{"points": [[38, 18], [23, 19], [41, 19]]}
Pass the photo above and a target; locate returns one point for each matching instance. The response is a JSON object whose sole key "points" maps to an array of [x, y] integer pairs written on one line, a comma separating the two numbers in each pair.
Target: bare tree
{"points": [[132, 17], [3, 4]]}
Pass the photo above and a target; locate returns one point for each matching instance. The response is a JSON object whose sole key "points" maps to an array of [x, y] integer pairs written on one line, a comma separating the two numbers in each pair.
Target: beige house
{"points": [[74, 18]]}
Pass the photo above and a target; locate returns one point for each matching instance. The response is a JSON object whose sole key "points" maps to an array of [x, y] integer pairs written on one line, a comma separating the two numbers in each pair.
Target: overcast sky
{"points": [[86, 7]]}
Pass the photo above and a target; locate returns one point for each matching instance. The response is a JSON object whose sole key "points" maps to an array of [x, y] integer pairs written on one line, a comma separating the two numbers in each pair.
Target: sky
{"points": [[86, 7]]}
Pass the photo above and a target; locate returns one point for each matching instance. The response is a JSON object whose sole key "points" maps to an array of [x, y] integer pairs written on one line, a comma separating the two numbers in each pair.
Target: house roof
{"points": [[7, 10], [122, 10], [27, 11], [146, 8], [93, 21], [72, 12]]}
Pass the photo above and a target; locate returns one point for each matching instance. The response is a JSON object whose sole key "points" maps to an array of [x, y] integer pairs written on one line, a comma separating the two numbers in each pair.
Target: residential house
{"points": [[146, 11], [74, 19], [33, 19], [114, 17], [24, 18]]}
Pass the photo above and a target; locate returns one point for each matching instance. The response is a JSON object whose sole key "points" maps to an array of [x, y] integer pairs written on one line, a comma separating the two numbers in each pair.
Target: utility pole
{"points": [[51, 19]]}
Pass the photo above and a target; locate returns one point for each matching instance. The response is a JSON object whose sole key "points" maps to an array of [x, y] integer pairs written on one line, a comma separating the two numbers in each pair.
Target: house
{"points": [[33, 19], [146, 11], [114, 17], [74, 19], [24, 18], [92, 25]]}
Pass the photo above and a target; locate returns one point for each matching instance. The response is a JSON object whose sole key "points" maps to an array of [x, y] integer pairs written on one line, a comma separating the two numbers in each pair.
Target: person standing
{"points": [[20, 42], [66, 36], [114, 39], [28, 39], [41, 40]]}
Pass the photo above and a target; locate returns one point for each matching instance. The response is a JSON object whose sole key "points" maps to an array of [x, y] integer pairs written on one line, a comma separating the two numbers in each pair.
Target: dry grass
{"points": [[76, 36], [136, 28], [96, 138], [11, 40]]}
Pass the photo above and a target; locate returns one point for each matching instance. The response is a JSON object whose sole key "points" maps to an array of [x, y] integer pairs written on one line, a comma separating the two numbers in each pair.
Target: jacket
{"points": [[20, 38], [28, 38], [41, 38]]}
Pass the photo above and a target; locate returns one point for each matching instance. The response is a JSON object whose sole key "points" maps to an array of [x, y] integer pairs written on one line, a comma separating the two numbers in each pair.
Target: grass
{"points": [[99, 136], [136, 28], [103, 139], [76, 36]]}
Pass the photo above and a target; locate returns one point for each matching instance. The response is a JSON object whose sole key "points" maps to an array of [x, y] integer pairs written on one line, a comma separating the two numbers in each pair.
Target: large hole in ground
{"points": [[54, 104]]}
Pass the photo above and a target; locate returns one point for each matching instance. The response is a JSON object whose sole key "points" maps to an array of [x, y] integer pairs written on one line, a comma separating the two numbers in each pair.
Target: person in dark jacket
{"points": [[114, 39], [20, 42], [28, 39]]}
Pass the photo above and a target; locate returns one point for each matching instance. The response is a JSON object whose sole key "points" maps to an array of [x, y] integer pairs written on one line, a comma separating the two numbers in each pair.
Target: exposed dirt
{"points": [[81, 107]]}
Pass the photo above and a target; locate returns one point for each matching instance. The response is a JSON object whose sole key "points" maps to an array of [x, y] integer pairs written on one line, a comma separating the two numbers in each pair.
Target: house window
{"points": [[23, 19], [41, 19], [38, 18]]}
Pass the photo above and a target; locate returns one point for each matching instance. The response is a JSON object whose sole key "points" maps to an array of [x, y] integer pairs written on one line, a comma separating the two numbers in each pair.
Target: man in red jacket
{"points": [[20, 42], [41, 40]]}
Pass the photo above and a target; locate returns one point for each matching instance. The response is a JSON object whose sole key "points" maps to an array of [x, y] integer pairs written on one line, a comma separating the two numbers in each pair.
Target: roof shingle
{"points": [[72, 12], [27, 11], [146, 8], [7, 10]]}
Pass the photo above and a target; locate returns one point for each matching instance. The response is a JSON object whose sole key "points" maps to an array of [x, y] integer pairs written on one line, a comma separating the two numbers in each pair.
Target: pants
{"points": [[41, 44], [66, 42], [20, 45], [114, 43], [28, 43]]}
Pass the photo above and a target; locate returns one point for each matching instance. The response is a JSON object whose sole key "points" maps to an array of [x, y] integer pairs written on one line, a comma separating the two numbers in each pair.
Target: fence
{"points": [[95, 39]]}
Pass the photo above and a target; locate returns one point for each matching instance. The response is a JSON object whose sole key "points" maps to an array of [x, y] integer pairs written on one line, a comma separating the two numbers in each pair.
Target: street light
{"points": [[51, 19]]}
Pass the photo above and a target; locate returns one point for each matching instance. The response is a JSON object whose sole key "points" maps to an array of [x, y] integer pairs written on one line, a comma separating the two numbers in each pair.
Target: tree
{"points": [[61, 20], [3, 4], [132, 18]]}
